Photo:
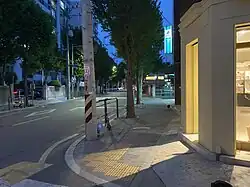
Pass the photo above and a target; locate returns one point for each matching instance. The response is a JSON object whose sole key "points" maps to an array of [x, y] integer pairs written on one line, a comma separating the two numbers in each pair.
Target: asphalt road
{"points": [[25, 135]]}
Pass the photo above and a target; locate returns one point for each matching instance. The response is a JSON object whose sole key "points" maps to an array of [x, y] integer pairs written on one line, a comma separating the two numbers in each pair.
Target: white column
{"points": [[153, 90], [58, 24], [89, 69]]}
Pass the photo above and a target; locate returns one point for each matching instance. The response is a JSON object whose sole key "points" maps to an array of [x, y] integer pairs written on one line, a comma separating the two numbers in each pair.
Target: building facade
{"points": [[57, 10], [215, 74], [180, 7]]}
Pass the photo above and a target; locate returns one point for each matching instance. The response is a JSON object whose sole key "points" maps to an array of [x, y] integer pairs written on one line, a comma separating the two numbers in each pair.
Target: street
{"points": [[29, 136]]}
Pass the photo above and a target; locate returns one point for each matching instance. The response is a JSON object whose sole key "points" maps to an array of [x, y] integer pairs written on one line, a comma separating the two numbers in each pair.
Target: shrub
{"points": [[55, 83]]}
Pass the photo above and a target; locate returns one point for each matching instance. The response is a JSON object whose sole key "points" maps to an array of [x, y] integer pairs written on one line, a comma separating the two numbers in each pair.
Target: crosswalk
{"points": [[28, 183], [33, 183]]}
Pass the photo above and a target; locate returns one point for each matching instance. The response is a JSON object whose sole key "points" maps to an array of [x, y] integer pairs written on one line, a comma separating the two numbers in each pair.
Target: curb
{"points": [[174, 108], [198, 148], [71, 163], [74, 167]]}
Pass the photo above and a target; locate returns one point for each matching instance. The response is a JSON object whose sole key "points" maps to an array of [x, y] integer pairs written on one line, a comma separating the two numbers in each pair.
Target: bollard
{"points": [[117, 108], [220, 183]]}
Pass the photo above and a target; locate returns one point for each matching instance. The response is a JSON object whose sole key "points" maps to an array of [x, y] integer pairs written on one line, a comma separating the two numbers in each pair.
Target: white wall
{"points": [[213, 23]]}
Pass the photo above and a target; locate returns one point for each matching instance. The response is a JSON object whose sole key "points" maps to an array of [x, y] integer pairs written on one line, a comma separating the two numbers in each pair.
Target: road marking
{"points": [[51, 148], [24, 122], [20, 171], [6, 115], [107, 107], [76, 108], [141, 128], [40, 113], [32, 183]]}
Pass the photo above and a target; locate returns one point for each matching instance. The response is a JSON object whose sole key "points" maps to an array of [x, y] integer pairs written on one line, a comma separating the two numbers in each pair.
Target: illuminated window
{"points": [[62, 5], [242, 86], [243, 35], [53, 4], [53, 13]]}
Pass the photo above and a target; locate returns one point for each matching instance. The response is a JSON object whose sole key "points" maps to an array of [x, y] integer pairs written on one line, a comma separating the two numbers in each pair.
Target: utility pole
{"points": [[89, 71], [68, 65], [72, 70]]}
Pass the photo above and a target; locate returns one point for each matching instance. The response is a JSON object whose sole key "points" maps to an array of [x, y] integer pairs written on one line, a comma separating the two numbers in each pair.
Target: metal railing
{"points": [[105, 103]]}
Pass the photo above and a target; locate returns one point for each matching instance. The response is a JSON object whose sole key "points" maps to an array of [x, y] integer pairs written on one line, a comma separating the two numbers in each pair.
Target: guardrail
{"points": [[105, 104]]}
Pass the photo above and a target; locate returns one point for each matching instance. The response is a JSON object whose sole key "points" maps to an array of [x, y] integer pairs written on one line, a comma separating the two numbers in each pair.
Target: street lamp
{"points": [[69, 34]]}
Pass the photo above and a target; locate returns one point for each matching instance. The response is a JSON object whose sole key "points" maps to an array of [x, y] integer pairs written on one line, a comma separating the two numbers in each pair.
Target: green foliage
{"points": [[121, 72], [78, 53], [135, 28], [55, 83], [26, 32], [35, 36], [10, 78], [103, 62]]}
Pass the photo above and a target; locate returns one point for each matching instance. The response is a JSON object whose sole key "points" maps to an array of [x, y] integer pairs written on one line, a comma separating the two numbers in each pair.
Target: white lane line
{"points": [[32, 183], [51, 148], [141, 128], [6, 115], [29, 121], [76, 108], [107, 107], [42, 112]]}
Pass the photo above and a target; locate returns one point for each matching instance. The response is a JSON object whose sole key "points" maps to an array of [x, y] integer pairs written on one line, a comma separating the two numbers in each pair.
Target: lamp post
{"points": [[69, 34], [72, 70]]}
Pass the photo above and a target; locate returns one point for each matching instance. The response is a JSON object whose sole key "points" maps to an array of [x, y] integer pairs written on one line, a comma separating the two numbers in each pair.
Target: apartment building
{"points": [[57, 10]]}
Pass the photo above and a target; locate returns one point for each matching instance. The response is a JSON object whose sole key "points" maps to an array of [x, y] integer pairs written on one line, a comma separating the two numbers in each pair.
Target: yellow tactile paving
{"points": [[109, 163]]}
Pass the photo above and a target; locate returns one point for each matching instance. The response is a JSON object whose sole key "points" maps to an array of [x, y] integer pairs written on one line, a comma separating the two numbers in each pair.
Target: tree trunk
{"points": [[44, 84], [3, 74], [130, 97], [139, 75], [26, 93]]}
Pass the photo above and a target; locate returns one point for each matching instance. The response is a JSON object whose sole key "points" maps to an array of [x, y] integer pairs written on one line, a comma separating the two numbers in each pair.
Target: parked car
{"points": [[20, 93]]}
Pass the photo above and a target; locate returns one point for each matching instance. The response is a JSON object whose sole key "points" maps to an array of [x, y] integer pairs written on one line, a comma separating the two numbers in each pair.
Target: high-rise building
{"points": [[180, 7], [57, 10]]}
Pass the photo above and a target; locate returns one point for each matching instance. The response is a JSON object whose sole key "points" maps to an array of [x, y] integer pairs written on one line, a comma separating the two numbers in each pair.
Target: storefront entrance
{"points": [[192, 95], [243, 87]]}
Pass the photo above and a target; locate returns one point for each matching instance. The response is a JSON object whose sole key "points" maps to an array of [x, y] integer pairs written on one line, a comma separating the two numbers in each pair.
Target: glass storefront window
{"points": [[243, 35], [243, 84]]}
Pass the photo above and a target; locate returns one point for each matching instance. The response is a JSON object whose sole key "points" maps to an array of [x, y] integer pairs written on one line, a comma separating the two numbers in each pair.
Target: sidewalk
{"points": [[146, 152]]}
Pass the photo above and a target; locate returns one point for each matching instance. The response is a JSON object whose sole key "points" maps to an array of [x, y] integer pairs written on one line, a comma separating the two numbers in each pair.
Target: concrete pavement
{"points": [[147, 152], [119, 158], [26, 135]]}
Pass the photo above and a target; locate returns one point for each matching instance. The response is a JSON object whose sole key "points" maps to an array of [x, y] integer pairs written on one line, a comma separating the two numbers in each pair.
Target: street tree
{"points": [[34, 32], [128, 24], [52, 61], [151, 44], [103, 64], [121, 72], [9, 17]]}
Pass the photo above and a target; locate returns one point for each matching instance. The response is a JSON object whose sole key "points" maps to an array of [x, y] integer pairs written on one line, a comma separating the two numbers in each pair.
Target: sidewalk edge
{"points": [[71, 163]]}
